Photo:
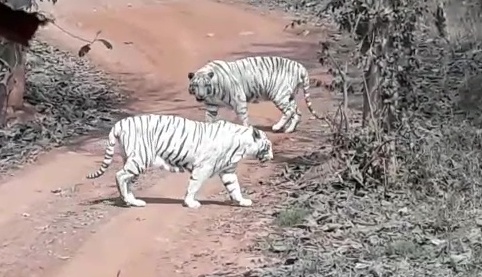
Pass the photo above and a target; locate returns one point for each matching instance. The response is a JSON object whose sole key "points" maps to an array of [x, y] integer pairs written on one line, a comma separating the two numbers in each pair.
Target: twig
{"points": [[71, 34], [85, 48]]}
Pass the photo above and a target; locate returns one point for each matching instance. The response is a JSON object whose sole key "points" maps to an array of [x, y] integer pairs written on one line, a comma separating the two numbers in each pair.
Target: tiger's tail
{"points": [[306, 85], [109, 153]]}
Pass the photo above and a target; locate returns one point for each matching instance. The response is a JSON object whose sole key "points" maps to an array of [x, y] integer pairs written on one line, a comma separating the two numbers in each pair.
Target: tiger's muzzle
{"points": [[264, 156]]}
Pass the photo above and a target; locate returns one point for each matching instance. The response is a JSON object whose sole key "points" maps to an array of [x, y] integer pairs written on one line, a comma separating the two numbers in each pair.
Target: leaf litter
{"points": [[70, 97]]}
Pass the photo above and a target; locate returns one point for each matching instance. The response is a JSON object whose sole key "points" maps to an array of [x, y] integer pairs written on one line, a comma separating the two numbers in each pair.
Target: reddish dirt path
{"points": [[65, 234]]}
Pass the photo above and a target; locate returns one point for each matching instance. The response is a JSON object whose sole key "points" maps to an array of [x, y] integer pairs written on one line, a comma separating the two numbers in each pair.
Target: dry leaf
{"points": [[107, 44], [84, 50]]}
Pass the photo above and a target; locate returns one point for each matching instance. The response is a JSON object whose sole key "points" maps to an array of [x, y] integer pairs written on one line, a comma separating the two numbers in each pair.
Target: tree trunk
{"points": [[12, 69], [15, 97], [12, 78], [371, 95], [5, 86]]}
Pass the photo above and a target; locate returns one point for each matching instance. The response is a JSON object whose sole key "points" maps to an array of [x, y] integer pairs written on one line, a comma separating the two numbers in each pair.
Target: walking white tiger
{"points": [[176, 144], [250, 80]]}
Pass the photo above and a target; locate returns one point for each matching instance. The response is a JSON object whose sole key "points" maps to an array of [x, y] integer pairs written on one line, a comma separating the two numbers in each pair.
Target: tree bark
{"points": [[5, 82], [15, 97], [12, 79], [371, 95], [12, 69]]}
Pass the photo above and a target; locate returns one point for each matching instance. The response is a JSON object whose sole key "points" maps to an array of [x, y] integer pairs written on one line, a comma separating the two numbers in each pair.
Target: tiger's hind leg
{"points": [[124, 178], [293, 122], [287, 106], [230, 182]]}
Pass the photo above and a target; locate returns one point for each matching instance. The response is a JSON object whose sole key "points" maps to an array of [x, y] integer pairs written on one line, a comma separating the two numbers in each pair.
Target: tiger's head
{"points": [[200, 84], [261, 148]]}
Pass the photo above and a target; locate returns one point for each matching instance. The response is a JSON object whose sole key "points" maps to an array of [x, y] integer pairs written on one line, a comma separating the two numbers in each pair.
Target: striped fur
{"points": [[251, 80], [176, 144]]}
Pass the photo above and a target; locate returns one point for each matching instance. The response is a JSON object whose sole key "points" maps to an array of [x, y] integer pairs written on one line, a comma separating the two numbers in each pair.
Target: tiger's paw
{"points": [[292, 125], [136, 202], [276, 128], [192, 204], [245, 202], [289, 130]]}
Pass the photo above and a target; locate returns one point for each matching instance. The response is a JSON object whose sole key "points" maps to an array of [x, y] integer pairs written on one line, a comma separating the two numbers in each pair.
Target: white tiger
{"points": [[250, 80], [176, 144]]}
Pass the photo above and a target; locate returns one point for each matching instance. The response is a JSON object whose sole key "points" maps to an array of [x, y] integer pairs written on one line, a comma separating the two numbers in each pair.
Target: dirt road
{"points": [[53, 222]]}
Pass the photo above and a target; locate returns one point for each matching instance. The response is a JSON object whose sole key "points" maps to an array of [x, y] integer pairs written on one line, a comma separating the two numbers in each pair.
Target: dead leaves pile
{"points": [[71, 98], [377, 233], [425, 222]]}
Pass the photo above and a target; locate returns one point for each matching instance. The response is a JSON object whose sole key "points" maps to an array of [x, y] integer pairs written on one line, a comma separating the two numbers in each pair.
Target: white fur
{"points": [[176, 144], [252, 80]]}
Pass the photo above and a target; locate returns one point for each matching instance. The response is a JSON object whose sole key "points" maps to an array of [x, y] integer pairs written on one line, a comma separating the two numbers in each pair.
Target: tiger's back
{"points": [[260, 78], [155, 140]]}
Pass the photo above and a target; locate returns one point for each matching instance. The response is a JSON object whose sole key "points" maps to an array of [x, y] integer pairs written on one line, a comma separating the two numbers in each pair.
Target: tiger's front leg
{"points": [[231, 183], [211, 113]]}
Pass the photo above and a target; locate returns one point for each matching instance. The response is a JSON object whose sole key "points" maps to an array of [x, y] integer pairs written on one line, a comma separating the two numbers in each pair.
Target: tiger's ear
{"points": [[256, 134], [190, 75], [210, 74]]}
